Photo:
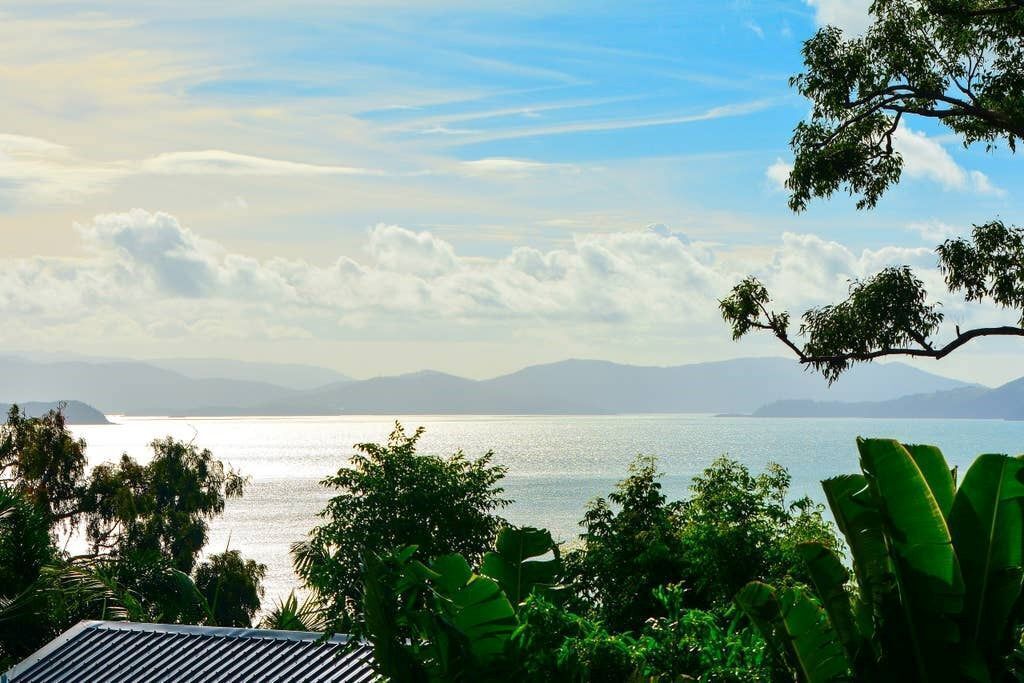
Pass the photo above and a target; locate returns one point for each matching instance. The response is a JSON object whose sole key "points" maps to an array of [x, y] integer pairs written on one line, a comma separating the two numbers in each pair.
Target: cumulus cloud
{"points": [[149, 276], [925, 158]]}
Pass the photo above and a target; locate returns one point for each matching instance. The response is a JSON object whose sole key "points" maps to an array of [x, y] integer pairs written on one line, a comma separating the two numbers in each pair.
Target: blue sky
{"points": [[386, 186]]}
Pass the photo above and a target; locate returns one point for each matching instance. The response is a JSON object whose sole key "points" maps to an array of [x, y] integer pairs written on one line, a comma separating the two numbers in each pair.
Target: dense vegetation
{"points": [[736, 582], [955, 63], [144, 525]]}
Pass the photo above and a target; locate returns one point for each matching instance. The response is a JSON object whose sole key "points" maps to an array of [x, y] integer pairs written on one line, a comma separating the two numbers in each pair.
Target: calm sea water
{"points": [[556, 464]]}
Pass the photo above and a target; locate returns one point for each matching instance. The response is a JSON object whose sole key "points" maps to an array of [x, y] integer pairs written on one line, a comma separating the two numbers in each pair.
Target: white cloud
{"points": [[934, 230], [850, 15], [150, 277], [514, 167], [220, 162], [755, 28], [778, 173], [923, 157]]}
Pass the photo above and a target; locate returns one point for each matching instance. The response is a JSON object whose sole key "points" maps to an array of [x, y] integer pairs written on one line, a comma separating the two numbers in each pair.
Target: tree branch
{"points": [[927, 352]]}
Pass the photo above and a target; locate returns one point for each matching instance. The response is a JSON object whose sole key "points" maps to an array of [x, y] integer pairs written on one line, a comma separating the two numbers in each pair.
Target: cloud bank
{"points": [[147, 276]]}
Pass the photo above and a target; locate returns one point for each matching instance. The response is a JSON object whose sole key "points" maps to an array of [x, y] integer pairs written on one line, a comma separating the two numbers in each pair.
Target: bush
{"points": [[391, 497], [626, 554], [737, 527], [734, 528]]}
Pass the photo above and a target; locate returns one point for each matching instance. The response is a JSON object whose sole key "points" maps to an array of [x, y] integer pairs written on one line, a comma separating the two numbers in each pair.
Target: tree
{"points": [[734, 527], [232, 587], [146, 525], [391, 497], [161, 507], [630, 546], [44, 463], [956, 62]]}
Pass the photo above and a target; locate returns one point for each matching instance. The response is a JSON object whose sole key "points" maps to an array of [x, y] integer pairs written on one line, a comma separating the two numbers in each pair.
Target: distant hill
{"points": [[289, 375], [599, 387], [75, 412], [567, 387], [127, 387], [1005, 402]]}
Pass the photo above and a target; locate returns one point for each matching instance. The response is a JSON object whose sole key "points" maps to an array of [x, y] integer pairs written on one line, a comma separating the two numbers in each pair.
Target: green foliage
{"points": [[701, 645], [553, 644], [25, 543], [958, 62], [938, 583], [988, 266], [146, 525], [440, 622], [795, 624], [626, 553], [734, 527], [43, 461], [291, 614], [391, 497], [514, 565], [232, 587], [162, 506]]}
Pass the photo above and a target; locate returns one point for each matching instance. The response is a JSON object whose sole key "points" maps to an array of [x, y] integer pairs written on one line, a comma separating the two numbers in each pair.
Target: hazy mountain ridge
{"points": [[601, 387], [566, 387], [1004, 402]]}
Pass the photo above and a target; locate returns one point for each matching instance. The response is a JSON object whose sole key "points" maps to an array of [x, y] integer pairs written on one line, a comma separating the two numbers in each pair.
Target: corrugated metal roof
{"points": [[109, 652]]}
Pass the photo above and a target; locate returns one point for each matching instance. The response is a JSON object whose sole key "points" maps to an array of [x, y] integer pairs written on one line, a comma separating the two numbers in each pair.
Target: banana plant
{"points": [[515, 565], [441, 621], [938, 572]]}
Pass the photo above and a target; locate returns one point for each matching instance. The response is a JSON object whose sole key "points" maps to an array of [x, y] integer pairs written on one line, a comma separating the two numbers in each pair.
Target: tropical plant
{"points": [[938, 570], [293, 614], [702, 645], [441, 621], [392, 497]]}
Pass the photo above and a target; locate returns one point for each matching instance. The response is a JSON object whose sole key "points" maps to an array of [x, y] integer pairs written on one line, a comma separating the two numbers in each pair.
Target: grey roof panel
{"points": [[108, 652]]}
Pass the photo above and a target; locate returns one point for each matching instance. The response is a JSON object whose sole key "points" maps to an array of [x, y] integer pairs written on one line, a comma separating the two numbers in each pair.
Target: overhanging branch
{"points": [[927, 352]]}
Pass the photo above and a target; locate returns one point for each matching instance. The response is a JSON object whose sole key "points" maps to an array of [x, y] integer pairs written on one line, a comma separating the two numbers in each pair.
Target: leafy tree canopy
{"points": [[389, 496], [959, 63]]}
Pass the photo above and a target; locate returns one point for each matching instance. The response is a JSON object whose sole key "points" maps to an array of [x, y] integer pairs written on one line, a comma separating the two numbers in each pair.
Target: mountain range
{"points": [[211, 387], [1004, 402]]}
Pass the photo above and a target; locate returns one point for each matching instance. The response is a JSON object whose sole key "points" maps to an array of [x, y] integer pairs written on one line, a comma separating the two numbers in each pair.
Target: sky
{"points": [[384, 186]]}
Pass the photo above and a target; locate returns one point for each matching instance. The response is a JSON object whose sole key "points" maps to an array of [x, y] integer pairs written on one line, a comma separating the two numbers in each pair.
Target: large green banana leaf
{"points": [[859, 520], [796, 627], [924, 562], [513, 562], [935, 469], [476, 605], [830, 577], [987, 524]]}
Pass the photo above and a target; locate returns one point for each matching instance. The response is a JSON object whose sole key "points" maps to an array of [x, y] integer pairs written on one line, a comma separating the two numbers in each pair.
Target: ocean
{"points": [[555, 463]]}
